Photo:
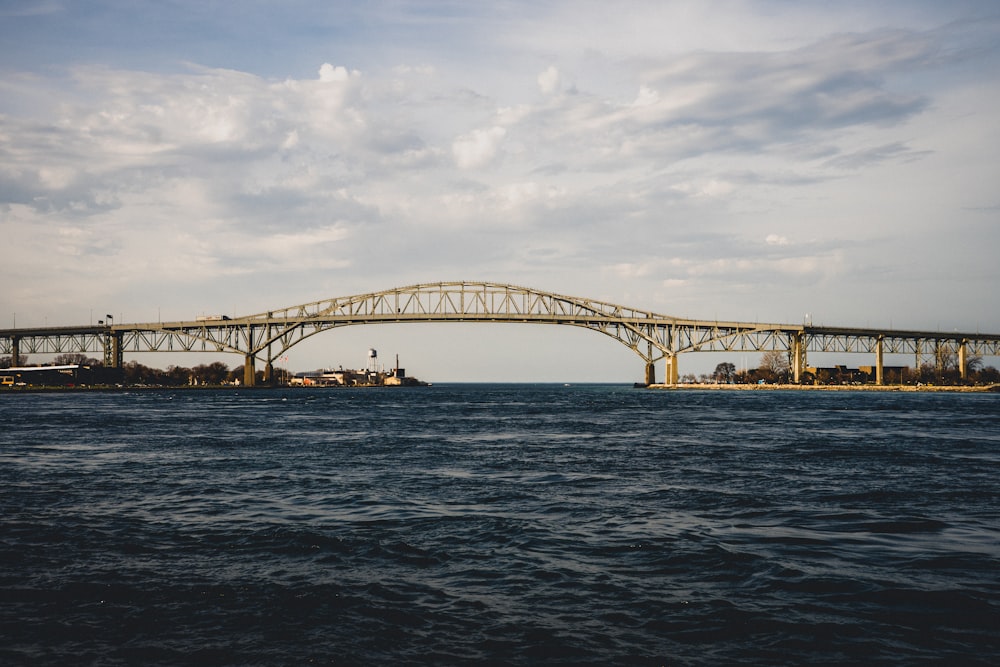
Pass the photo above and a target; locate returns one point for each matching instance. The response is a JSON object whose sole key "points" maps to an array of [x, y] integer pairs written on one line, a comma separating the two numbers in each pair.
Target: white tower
{"points": [[372, 359]]}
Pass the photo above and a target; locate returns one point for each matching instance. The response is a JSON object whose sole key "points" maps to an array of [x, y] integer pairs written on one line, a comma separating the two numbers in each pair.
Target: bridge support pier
{"points": [[15, 351], [963, 354], [650, 373], [113, 356], [269, 368], [798, 357], [249, 372], [672, 373], [879, 362]]}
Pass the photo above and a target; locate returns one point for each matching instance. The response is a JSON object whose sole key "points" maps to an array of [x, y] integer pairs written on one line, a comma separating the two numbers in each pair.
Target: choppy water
{"points": [[499, 524]]}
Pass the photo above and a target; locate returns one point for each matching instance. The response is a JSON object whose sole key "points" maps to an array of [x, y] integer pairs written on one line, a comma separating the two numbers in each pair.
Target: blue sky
{"points": [[730, 160]]}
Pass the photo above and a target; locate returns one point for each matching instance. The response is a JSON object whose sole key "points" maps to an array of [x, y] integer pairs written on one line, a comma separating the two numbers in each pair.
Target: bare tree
{"points": [[75, 358], [973, 364], [774, 365]]}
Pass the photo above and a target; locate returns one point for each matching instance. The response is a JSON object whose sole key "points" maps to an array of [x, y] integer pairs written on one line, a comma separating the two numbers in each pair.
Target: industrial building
{"points": [[371, 376], [67, 375]]}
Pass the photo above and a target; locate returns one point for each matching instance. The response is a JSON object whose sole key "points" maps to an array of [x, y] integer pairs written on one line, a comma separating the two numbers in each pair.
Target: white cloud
{"points": [[767, 269], [478, 147], [318, 248], [629, 270], [646, 97], [507, 116], [291, 141], [328, 73], [549, 80]]}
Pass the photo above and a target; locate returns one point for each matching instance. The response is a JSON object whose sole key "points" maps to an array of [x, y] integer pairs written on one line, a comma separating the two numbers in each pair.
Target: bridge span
{"points": [[266, 336]]}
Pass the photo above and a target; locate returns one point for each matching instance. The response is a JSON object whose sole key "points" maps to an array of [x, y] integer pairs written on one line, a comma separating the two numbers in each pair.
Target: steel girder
{"points": [[650, 335], [240, 338], [900, 342], [64, 342]]}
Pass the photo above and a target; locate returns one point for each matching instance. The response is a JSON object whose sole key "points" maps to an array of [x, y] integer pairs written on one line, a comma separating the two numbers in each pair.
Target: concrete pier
{"points": [[798, 357], [249, 372], [879, 362], [672, 372]]}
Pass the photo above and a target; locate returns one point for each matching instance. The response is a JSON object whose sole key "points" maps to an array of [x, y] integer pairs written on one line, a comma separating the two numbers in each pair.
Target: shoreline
{"points": [[830, 387], [187, 387], [693, 386]]}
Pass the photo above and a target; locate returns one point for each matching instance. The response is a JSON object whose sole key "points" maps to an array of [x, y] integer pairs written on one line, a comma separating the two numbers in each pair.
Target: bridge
{"points": [[264, 337]]}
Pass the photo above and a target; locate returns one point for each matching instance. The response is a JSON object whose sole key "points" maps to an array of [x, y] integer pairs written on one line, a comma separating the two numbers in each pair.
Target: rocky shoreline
{"points": [[830, 387]]}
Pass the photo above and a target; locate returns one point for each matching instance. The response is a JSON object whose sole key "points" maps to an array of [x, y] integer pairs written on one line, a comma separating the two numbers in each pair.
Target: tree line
{"points": [[134, 373], [775, 368]]}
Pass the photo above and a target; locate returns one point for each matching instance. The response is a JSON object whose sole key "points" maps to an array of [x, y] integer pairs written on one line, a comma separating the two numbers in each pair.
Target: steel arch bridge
{"points": [[653, 337]]}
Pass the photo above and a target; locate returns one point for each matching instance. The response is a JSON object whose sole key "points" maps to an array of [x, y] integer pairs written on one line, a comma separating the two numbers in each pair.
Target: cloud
{"points": [[760, 101], [478, 147], [868, 157], [738, 152], [328, 73], [549, 80], [760, 270]]}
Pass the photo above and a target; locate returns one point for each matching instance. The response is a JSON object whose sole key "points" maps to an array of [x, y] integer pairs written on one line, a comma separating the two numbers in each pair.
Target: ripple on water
{"points": [[499, 524]]}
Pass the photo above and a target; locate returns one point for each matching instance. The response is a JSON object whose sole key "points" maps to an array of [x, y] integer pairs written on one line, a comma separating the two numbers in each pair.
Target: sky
{"points": [[734, 160]]}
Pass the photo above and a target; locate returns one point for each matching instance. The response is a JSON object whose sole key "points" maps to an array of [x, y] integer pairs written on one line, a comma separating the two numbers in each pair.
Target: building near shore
{"points": [[342, 377], [65, 375], [861, 375]]}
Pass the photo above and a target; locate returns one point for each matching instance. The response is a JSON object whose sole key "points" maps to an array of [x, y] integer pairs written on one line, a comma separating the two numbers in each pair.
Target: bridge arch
{"points": [[643, 332]]}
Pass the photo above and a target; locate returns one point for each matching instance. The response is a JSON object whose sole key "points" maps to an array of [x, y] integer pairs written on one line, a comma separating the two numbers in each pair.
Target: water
{"points": [[499, 524]]}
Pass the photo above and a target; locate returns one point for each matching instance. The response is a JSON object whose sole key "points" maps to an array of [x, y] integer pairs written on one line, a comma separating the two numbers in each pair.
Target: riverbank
{"points": [[830, 387], [29, 389]]}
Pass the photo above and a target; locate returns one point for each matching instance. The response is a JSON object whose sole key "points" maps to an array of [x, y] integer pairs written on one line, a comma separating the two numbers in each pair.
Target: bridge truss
{"points": [[653, 337]]}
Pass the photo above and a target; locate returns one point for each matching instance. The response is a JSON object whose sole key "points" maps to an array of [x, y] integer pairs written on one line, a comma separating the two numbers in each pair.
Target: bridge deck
{"points": [[650, 335]]}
